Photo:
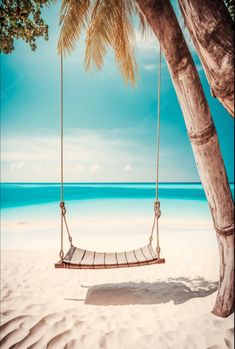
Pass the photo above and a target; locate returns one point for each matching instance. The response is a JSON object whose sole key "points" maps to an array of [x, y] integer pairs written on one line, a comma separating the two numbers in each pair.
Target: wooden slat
{"points": [[152, 251], [99, 258], [146, 253], [110, 259], [139, 255], [69, 254], [121, 258], [88, 258], [79, 266], [131, 257], [77, 256]]}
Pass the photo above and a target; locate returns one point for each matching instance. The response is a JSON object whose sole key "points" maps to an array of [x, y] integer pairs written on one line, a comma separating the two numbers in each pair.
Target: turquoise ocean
{"points": [[15, 195], [26, 194], [37, 204]]}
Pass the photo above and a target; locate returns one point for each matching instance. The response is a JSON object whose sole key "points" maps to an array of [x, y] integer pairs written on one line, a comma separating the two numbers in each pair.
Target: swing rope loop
{"points": [[63, 215]]}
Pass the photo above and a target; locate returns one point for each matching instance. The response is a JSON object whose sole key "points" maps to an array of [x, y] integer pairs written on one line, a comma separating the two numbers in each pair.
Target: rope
{"points": [[63, 214], [62, 206], [157, 211], [62, 203], [158, 121], [61, 130]]}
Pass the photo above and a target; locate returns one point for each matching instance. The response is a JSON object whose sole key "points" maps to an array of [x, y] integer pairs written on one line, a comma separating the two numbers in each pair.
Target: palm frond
{"points": [[99, 32], [73, 19], [144, 26], [124, 41], [111, 25]]}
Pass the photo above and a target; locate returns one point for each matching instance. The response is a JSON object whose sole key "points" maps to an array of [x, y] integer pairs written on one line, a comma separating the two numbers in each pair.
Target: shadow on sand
{"points": [[178, 290]]}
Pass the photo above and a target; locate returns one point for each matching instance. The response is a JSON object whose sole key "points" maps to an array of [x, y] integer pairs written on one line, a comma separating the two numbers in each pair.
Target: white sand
{"points": [[161, 306]]}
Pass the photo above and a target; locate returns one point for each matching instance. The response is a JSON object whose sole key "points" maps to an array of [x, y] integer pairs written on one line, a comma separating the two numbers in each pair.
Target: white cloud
{"points": [[150, 67], [147, 43], [17, 166], [79, 168], [94, 168], [36, 167], [90, 156], [128, 168]]}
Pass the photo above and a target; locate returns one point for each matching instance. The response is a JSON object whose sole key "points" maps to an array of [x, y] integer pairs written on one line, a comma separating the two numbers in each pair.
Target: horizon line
{"points": [[111, 182]]}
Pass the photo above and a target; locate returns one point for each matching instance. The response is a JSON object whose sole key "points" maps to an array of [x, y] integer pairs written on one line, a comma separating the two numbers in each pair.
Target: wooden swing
{"points": [[77, 258]]}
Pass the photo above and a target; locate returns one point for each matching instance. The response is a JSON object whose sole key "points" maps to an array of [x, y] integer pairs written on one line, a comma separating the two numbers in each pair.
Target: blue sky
{"points": [[110, 128]]}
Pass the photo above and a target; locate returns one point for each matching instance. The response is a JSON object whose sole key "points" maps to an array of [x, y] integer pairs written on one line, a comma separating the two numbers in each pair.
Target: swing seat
{"points": [[77, 258]]}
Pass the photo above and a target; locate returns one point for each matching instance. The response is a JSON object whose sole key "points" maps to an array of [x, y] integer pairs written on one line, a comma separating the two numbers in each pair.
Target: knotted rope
{"points": [[63, 215], [62, 203], [157, 210], [61, 254]]}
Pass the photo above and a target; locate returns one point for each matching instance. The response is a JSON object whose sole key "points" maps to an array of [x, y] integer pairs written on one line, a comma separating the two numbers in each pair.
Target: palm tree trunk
{"points": [[211, 29], [203, 137]]}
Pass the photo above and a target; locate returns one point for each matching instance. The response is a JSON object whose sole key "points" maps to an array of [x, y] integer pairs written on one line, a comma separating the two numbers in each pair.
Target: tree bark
{"points": [[211, 29], [203, 137]]}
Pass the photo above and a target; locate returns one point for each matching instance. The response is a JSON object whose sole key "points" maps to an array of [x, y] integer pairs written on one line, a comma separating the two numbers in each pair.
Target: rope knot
{"points": [[157, 209], [63, 209], [61, 254], [158, 250]]}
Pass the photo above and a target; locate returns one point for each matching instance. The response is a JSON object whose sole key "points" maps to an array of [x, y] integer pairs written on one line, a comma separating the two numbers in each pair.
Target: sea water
{"points": [[27, 194], [30, 211]]}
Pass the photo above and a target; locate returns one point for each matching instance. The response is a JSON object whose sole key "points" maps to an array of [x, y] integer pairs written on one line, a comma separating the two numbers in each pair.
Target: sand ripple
{"points": [[163, 307]]}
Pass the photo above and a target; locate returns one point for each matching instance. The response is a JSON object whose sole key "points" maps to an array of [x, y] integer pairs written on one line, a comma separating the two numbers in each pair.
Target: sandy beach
{"points": [[117, 126], [159, 306]]}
